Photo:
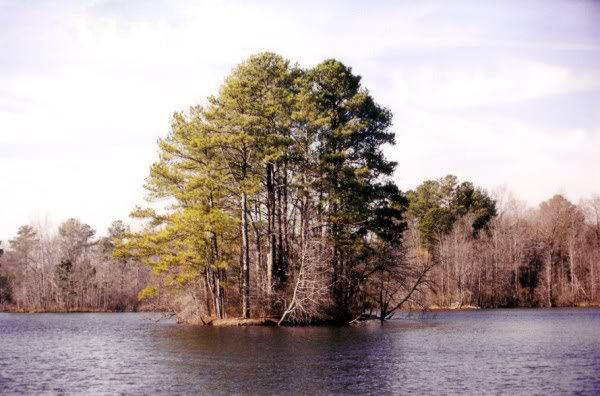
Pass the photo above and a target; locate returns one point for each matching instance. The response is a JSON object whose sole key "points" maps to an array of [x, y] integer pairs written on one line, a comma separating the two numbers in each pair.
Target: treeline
{"points": [[68, 270], [280, 203], [275, 200], [543, 257]]}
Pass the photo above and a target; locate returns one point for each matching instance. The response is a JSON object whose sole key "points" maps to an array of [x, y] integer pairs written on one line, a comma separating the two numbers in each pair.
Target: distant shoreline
{"points": [[466, 307], [259, 321], [13, 309]]}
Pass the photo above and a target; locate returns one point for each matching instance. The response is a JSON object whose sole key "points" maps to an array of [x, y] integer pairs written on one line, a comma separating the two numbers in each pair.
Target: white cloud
{"points": [[508, 81], [492, 152], [87, 87]]}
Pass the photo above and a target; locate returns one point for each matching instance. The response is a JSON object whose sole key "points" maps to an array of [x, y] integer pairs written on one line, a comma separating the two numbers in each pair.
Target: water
{"points": [[516, 351]]}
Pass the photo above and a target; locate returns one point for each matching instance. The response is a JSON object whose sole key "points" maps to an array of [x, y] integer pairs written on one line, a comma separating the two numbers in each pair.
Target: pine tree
{"points": [[279, 158], [356, 196]]}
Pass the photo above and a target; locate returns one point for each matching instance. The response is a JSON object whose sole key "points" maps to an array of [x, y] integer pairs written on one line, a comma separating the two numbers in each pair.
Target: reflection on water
{"points": [[496, 351]]}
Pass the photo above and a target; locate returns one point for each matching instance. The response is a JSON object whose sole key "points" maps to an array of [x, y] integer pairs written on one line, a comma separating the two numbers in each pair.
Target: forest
{"points": [[274, 200], [68, 270]]}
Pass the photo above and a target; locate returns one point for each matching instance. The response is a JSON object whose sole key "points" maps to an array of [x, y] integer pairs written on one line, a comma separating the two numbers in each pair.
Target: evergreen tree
{"points": [[438, 204], [280, 157], [356, 198], [5, 286], [66, 284]]}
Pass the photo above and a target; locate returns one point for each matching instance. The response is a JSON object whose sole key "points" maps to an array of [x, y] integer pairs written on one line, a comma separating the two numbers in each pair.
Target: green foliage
{"points": [[438, 204], [191, 173], [352, 130], [469, 199], [148, 292], [356, 196], [5, 284], [5, 289], [65, 279], [436, 223], [276, 142]]}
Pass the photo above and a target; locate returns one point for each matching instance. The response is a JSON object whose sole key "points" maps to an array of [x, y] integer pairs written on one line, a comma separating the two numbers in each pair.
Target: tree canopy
{"points": [[282, 156]]}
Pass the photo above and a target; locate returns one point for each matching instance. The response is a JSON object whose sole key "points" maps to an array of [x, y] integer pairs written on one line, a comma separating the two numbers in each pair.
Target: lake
{"points": [[508, 351]]}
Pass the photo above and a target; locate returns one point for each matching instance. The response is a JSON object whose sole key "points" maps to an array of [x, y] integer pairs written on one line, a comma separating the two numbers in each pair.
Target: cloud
{"points": [[493, 152], [86, 88], [506, 81]]}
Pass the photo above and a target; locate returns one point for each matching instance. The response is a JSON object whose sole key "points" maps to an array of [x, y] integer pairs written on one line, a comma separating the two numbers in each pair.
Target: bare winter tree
{"points": [[311, 284], [400, 275], [591, 209]]}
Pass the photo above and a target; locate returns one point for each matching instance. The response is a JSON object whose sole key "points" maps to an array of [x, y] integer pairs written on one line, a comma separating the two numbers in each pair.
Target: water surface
{"points": [[513, 351]]}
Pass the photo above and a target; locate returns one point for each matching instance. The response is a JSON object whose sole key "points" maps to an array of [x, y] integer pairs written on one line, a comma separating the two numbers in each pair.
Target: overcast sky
{"points": [[498, 93]]}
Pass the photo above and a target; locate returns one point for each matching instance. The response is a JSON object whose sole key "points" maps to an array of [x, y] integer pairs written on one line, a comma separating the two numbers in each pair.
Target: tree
{"points": [[450, 217], [65, 283], [560, 223], [399, 276], [193, 240], [355, 196], [591, 209], [64, 269], [282, 160], [311, 286], [25, 247], [75, 239], [5, 287], [250, 122]]}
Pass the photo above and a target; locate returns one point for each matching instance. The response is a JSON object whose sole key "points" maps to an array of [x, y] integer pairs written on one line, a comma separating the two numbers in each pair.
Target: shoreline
{"points": [[272, 321], [13, 309]]}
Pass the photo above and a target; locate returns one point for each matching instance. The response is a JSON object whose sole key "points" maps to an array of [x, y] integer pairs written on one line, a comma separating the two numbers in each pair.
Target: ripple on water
{"points": [[502, 351]]}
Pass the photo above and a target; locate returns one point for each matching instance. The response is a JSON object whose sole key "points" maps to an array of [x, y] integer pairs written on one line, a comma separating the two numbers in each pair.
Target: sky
{"points": [[500, 93]]}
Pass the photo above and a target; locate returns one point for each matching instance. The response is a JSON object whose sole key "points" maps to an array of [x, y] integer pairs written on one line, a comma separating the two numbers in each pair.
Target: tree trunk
{"points": [[245, 259], [572, 268], [548, 279], [270, 229], [208, 279]]}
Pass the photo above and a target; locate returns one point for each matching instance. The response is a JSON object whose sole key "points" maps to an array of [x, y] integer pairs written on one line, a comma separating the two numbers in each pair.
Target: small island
{"points": [[273, 203]]}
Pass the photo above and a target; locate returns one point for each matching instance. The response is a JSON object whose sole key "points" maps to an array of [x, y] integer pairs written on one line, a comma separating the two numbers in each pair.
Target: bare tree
{"points": [[400, 276], [311, 285]]}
